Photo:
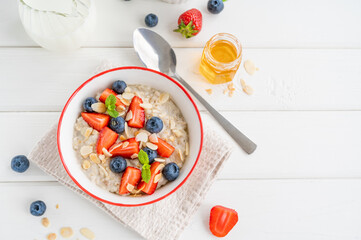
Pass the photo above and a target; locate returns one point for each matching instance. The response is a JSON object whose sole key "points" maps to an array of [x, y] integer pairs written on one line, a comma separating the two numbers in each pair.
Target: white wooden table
{"points": [[304, 180]]}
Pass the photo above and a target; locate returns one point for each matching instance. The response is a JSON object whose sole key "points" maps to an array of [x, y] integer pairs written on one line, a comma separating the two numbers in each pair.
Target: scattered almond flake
{"points": [[104, 171], [94, 158], [225, 91], [86, 232], [151, 146], [172, 124], [209, 91], [136, 133], [141, 137], [135, 155], [99, 107], [126, 130], [101, 157], [187, 149], [106, 153], [159, 168], [66, 232], [163, 98], [120, 108], [248, 90], [51, 236], [230, 86], [85, 151], [130, 187], [127, 89], [88, 131], [180, 154], [230, 94], [104, 161], [145, 131], [125, 144], [146, 105], [171, 138], [125, 101], [85, 164], [243, 83], [45, 222], [177, 132], [57, 206], [128, 95], [129, 115], [122, 138], [153, 138], [157, 177], [249, 67], [159, 159]]}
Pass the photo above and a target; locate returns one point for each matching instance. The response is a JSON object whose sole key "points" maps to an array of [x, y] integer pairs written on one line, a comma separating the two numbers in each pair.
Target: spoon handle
{"points": [[243, 141]]}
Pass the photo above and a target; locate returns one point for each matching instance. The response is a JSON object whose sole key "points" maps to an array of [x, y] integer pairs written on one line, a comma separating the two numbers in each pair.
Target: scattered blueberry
{"points": [[119, 86], [171, 171], [151, 154], [37, 208], [87, 105], [20, 163], [154, 125], [151, 20], [117, 124], [118, 164], [215, 6]]}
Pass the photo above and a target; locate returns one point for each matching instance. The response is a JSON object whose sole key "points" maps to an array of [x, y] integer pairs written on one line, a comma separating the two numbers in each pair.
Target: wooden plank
{"points": [[268, 209], [290, 144], [261, 23], [287, 80]]}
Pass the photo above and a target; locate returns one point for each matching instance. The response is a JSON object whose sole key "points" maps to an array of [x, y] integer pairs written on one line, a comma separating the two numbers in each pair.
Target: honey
{"points": [[221, 58]]}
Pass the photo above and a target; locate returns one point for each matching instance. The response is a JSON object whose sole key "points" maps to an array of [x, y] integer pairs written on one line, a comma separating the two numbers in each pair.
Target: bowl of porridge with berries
{"points": [[130, 136]]}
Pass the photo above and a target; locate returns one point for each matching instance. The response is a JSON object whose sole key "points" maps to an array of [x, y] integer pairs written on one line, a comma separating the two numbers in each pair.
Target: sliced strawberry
{"points": [[131, 176], [222, 220], [126, 152], [138, 116], [106, 94], [149, 188], [107, 138], [164, 148], [96, 120]]}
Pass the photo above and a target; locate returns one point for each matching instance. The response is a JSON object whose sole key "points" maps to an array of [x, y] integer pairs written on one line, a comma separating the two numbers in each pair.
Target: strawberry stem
{"points": [[186, 30]]}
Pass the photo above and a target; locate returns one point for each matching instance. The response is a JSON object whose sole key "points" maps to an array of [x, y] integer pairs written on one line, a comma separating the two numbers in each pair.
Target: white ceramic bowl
{"points": [[131, 75]]}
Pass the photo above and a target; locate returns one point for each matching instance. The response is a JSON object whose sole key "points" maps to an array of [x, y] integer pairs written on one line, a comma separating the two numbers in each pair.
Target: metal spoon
{"points": [[156, 53]]}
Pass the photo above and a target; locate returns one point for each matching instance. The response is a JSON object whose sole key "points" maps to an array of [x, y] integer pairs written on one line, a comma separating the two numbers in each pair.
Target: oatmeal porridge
{"points": [[131, 140]]}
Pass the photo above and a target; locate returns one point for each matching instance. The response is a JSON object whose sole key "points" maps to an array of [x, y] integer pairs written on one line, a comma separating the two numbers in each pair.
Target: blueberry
{"points": [[151, 154], [20, 163], [87, 105], [151, 20], [154, 125], [118, 164], [117, 124], [119, 86], [171, 171], [37, 208], [215, 6]]}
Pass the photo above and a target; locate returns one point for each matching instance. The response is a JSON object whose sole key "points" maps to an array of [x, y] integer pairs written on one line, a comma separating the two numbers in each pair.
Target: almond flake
{"points": [[106, 153], [125, 144], [66, 232], [230, 86], [230, 94], [85, 164], [101, 157], [122, 138], [103, 170], [120, 108], [187, 149], [141, 137], [225, 91], [146, 105], [127, 89], [145, 131], [87, 233], [94, 158], [180, 154], [129, 115], [209, 91], [151, 146], [243, 83], [125, 101], [128, 95], [135, 155], [248, 90], [171, 124], [159, 159], [85, 151], [153, 138], [157, 177], [130, 187], [171, 138], [126, 130], [45, 222], [51, 236], [57, 206], [99, 107], [163, 98], [87, 132], [159, 168], [249, 67], [177, 132]]}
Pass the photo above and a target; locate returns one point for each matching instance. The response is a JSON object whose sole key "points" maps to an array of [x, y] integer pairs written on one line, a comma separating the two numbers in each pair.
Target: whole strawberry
{"points": [[190, 23]]}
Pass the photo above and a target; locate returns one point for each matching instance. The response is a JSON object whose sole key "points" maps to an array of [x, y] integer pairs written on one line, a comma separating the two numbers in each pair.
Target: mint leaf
{"points": [[146, 174], [111, 100], [113, 113], [143, 157]]}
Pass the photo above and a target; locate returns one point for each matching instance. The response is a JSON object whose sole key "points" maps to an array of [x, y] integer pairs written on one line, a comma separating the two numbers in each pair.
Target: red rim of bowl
{"points": [[117, 69]]}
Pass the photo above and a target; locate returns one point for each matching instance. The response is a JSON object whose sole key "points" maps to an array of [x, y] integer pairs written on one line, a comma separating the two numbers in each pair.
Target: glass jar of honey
{"points": [[221, 58]]}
